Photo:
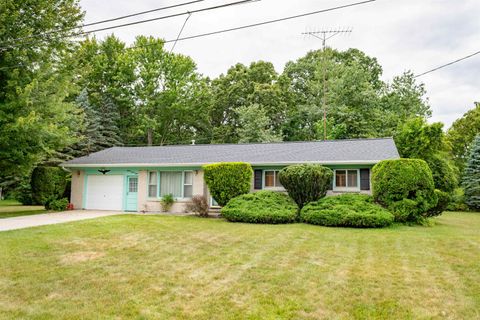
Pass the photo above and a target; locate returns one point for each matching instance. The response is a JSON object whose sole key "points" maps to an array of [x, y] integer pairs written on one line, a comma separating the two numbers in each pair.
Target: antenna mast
{"points": [[325, 35]]}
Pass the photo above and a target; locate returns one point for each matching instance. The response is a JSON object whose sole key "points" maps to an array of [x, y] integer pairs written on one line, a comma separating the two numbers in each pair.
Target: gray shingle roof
{"points": [[358, 151]]}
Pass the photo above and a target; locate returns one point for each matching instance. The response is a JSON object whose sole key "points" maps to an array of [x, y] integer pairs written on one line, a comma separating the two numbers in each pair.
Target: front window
{"points": [[152, 184], [346, 179], [187, 184], [171, 183], [272, 179], [177, 183]]}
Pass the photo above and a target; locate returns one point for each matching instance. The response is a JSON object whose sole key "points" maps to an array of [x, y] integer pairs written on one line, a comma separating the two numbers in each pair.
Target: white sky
{"points": [[402, 34]]}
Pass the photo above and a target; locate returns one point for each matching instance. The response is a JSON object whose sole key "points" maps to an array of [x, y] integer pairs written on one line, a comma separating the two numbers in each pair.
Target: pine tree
{"points": [[90, 133], [471, 180], [108, 119]]}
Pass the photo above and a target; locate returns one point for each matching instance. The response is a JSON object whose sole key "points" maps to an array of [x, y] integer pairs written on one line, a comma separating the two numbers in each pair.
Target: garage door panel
{"points": [[104, 192]]}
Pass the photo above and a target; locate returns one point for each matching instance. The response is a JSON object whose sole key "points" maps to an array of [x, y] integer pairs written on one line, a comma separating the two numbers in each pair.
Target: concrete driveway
{"points": [[51, 218]]}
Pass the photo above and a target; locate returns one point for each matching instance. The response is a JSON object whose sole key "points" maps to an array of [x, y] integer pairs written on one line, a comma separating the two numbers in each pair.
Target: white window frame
{"points": [[185, 184], [148, 184], [158, 183], [347, 188], [281, 188]]}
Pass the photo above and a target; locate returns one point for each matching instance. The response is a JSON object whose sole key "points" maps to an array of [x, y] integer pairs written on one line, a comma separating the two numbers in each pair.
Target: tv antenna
{"points": [[325, 35]]}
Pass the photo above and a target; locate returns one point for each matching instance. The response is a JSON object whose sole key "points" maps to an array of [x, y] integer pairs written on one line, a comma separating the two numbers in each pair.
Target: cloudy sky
{"points": [[402, 34]]}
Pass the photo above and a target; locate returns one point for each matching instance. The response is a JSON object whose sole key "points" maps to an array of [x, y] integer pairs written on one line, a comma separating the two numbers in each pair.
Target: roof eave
{"points": [[143, 165]]}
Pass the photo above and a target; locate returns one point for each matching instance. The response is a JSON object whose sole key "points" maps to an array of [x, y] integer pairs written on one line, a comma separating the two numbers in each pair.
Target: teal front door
{"points": [[132, 193]]}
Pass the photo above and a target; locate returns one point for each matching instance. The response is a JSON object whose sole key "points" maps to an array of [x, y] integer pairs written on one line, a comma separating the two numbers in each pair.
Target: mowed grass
{"points": [[12, 208], [158, 267]]}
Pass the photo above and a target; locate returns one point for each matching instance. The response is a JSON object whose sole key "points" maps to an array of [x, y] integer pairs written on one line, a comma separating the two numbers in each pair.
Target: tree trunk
{"points": [[149, 137]]}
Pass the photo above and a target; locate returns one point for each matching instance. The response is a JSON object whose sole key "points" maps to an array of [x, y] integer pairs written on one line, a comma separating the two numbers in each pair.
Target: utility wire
{"points": [[262, 23], [109, 20], [180, 33], [82, 33], [446, 64], [258, 24]]}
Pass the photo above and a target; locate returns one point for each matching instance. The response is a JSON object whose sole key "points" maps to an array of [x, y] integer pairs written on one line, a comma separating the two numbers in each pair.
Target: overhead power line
{"points": [[254, 24], [83, 33], [110, 19], [446, 64], [268, 22]]}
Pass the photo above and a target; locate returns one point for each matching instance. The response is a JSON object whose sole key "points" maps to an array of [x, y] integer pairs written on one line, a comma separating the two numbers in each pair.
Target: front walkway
{"points": [[51, 218]]}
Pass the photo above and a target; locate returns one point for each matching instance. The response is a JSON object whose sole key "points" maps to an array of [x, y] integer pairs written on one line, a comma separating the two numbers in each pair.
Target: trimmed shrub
{"points": [[47, 183], [471, 177], [443, 199], [306, 182], [57, 204], [261, 207], [444, 175], [347, 210], [198, 205], [167, 202], [227, 180], [405, 186]]}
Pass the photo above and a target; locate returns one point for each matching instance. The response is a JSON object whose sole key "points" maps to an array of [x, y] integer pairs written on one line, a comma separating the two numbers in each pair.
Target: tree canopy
{"points": [[37, 118], [462, 133]]}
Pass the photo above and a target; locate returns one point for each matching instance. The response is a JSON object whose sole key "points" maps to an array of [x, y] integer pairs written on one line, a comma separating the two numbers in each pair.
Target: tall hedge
{"points": [[48, 183], [306, 182], [405, 186], [471, 180], [227, 180]]}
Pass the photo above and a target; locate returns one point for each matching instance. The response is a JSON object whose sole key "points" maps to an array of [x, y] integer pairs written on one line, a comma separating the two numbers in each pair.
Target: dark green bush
{"points": [[227, 180], [57, 204], [405, 186], [46, 183], [443, 199], [347, 210], [306, 182], [443, 172], [261, 207], [22, 193]]}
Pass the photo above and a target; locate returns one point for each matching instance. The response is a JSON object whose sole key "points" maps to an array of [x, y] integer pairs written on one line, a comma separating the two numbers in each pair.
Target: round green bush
{"points": [[261, 207], [443, 200], [347, 210], [227, 180], [47, 183], [405, 186], [306, 182]]}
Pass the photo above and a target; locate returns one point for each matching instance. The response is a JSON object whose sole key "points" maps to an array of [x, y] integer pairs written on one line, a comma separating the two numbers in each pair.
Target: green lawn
{"points": [[158, 267], [12, 208]]}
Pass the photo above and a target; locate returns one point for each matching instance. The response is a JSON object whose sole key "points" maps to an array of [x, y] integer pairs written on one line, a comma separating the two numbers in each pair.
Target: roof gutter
{"points": [[147, 165]]}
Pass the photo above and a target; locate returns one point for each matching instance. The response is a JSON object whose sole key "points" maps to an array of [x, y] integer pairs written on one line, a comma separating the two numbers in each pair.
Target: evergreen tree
{"points": [[108, 129], [471, 180], [91, 137]]}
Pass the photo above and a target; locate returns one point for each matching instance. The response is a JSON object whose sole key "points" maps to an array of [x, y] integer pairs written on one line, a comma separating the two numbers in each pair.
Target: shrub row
{"points": [[261, 207], [347, 210]]}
